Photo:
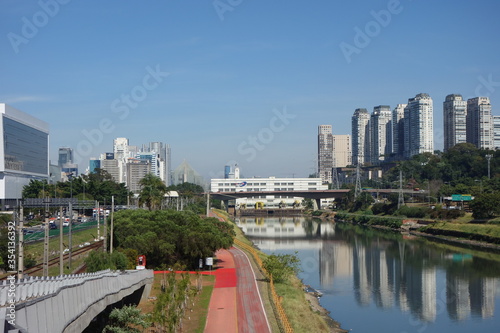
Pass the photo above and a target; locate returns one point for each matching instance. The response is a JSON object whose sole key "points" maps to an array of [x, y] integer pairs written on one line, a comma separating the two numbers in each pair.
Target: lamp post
{"points": [[488, 158]]}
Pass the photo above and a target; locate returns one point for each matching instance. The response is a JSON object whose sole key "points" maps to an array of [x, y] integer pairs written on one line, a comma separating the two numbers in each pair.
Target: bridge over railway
{"points": [[66, 303]]}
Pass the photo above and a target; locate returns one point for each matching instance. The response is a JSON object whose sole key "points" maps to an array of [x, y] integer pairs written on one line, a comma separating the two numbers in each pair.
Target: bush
{"points": [[282, 266], [415, 212]]}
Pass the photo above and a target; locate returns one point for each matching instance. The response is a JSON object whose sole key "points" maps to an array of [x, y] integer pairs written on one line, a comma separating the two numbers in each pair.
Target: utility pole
{"points": [[488, 157], [46, 240], [61, 245], [208, 203], [69, 238], [357, 189], [105, 231], [401, 199], [111, 234], [97, 217], [20, 263]]}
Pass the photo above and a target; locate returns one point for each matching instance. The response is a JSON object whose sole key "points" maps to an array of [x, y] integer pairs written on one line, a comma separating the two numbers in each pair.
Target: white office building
{"points": [[24, 148], [342, 152], [398, 131], [267, 184]]}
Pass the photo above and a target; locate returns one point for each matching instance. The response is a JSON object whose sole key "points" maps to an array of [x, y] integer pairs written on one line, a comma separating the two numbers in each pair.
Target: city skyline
{"points": [[245, 85]]}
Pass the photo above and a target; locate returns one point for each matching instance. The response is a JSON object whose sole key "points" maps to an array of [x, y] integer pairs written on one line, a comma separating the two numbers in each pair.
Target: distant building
{"points": [[418, 126], [380, 133], [325, 153], [454, 121], [121, 154], [398, 131], [136, 170], [112, 167], [24, 149], [342, 152], [94, 164], [65, 156], [267, 184], [360, 136], [227, 171], [480, 122], [496, 132], [184, 173]]}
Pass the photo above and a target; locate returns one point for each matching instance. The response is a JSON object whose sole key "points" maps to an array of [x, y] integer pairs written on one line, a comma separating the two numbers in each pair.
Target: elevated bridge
{"points": [[65, 303], [316, 195]]}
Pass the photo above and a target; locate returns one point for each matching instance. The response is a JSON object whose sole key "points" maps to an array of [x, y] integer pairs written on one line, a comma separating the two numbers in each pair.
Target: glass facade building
{"points": [[24, 149]]}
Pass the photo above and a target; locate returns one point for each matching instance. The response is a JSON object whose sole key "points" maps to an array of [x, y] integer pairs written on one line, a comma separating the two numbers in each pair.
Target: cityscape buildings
{"points": [[418, 126], [380, 133], [342, 151]]}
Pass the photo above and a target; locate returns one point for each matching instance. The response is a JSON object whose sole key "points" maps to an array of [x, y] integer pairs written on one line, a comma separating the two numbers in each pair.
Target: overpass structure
{"points": [[316, 195], [65, 303]]}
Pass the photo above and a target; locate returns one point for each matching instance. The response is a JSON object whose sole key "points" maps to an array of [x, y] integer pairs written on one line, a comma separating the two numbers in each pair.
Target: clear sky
{"points": [[237, 81]]}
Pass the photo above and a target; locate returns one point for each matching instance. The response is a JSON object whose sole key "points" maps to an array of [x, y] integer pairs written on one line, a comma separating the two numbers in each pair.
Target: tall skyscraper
{"points": [[65, 156], [24, 150], [380, 133], [360, 136], [342, 152], [398, 131], [325, 153], [454, 120], [162, 167], [418, 126], [480, 122]]}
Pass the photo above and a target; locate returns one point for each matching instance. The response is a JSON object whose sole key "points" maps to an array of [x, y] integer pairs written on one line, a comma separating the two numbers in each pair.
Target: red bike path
{"points": [[235, 305]]}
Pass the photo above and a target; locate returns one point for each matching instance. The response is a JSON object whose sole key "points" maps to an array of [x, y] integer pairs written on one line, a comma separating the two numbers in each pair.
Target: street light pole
{"points": [[488, 158]]}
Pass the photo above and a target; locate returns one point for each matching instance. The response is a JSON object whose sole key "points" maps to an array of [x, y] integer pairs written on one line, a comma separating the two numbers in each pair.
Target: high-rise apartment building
{"points": [[418, 126], [480, 122], [496, 132], [454, 120], [325, 153], [380, 133], [398, 131], [24, 150], [360, 136], [342, 152]]}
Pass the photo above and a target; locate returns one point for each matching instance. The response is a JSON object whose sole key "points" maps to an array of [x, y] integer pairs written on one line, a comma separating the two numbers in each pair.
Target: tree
{"points": [[486, 205], [123, 320], [282, 266], [153, 190], [99, 260]]}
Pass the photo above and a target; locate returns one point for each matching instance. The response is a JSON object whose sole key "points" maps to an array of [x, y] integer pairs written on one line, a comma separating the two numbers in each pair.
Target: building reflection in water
{"points": [[385, 272]]}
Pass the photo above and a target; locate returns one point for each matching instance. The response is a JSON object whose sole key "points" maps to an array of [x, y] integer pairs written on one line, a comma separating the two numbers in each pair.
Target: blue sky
{"points": [[237, 81]]}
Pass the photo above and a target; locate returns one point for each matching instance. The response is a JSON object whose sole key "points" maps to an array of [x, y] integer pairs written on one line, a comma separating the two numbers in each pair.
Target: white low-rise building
{"points": [[267, 184]]}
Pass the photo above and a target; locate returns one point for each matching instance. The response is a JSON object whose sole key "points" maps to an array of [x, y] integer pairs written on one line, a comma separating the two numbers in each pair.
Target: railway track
{"points": [[55, 261]]}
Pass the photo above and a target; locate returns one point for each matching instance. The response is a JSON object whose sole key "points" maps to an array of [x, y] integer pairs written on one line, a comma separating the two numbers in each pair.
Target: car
{"points": [[65, 223], [52, 226]]}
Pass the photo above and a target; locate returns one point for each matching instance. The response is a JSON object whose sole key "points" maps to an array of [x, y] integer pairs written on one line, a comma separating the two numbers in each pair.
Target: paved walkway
{"points": [[235, 305]]}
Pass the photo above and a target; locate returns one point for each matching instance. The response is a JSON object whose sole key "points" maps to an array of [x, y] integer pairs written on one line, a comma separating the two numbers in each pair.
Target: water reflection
{"points": [[385, 269]]}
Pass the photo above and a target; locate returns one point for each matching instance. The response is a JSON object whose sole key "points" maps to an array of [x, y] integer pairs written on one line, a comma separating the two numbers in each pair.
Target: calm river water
{"points": [[377, 281]]}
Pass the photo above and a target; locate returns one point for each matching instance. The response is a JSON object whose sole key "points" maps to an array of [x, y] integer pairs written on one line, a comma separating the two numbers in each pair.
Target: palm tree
{"points": [[152, 191]]}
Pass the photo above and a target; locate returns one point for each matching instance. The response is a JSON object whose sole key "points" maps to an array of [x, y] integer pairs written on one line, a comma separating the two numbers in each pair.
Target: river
{"points": [[382, 281]]}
